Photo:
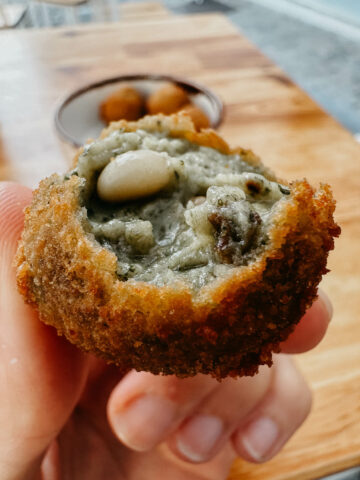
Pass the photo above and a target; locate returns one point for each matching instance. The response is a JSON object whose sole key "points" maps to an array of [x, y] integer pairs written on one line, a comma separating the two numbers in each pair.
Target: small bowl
{"points": [[77, 117]]}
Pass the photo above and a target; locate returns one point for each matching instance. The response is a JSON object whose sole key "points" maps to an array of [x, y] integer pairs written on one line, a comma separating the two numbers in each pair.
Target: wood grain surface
{"points": [[264, 111]]}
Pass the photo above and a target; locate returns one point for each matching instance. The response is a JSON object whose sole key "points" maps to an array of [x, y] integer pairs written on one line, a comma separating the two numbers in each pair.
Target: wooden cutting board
{"points": [[264, 111]]}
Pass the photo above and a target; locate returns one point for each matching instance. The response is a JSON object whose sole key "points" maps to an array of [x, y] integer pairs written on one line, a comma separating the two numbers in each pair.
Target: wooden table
{"points": [[264, 111]]}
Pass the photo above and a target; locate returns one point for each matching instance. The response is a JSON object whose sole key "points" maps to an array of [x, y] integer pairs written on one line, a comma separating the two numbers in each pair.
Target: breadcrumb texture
{"points": [[124, 103], [228, 328]]}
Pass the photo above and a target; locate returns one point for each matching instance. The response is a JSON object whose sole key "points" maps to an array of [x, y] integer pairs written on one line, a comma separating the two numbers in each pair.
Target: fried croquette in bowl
{"points": [[125, 103], [168, 99], [164, 250], [198, 117]]}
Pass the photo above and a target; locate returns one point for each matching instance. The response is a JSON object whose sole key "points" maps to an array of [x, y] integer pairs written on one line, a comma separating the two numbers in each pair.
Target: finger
{"points": [[204, 433], [312, 327], [144, 409], [35, 364], [160, 463], [277, 417]]}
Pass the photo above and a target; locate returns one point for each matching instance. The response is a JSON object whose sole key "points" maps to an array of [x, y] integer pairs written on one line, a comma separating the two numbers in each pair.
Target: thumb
{"points": [[41, 375]]}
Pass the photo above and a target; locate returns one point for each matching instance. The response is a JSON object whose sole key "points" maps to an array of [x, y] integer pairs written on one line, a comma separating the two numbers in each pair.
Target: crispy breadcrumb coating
{"points": [[126, 103], [228, 328], [200, 120], [167, 99]]}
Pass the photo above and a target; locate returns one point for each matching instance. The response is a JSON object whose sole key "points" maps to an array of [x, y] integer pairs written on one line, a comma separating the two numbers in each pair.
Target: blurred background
{"points": [[317, 42]]}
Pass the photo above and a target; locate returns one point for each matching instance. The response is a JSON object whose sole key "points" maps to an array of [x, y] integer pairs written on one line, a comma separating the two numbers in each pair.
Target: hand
{"points": [[68, 415]]}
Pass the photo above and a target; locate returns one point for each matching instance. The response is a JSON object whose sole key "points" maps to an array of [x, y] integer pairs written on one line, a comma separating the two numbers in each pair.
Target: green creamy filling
{"points": [[213, 215]]}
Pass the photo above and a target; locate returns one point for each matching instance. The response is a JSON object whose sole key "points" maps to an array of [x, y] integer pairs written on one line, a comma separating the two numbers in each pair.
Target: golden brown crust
{"points": [[126, 103], [229, 327], [168, 99], [198, 117]]}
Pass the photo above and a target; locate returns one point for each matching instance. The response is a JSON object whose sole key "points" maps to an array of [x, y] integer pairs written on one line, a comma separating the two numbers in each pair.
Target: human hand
{"points": [[63, 413]]}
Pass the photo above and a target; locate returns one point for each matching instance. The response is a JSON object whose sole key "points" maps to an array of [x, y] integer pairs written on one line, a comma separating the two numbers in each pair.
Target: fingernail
{"points": [[198, 437], [327, 304], [260, 438], [144, 422]]}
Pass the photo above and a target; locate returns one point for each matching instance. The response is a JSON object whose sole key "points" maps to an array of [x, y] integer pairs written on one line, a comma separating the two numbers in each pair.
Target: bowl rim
{"points": [[188, 85]]}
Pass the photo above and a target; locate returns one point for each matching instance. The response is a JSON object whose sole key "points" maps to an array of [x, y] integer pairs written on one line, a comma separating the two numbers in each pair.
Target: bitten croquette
{"points": [[206, 275]]}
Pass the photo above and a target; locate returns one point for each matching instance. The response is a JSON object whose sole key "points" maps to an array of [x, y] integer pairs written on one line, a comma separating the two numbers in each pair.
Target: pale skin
{"points": [[66, 415]]}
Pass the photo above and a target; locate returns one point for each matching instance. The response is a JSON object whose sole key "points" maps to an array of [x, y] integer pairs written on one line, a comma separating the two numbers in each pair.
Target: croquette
{"points": [[198, 117], [125, 103], [206, 274], [167, 100]]}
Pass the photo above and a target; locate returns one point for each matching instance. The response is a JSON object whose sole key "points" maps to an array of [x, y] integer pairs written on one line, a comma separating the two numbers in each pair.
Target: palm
{"points": [[87, 448]]}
